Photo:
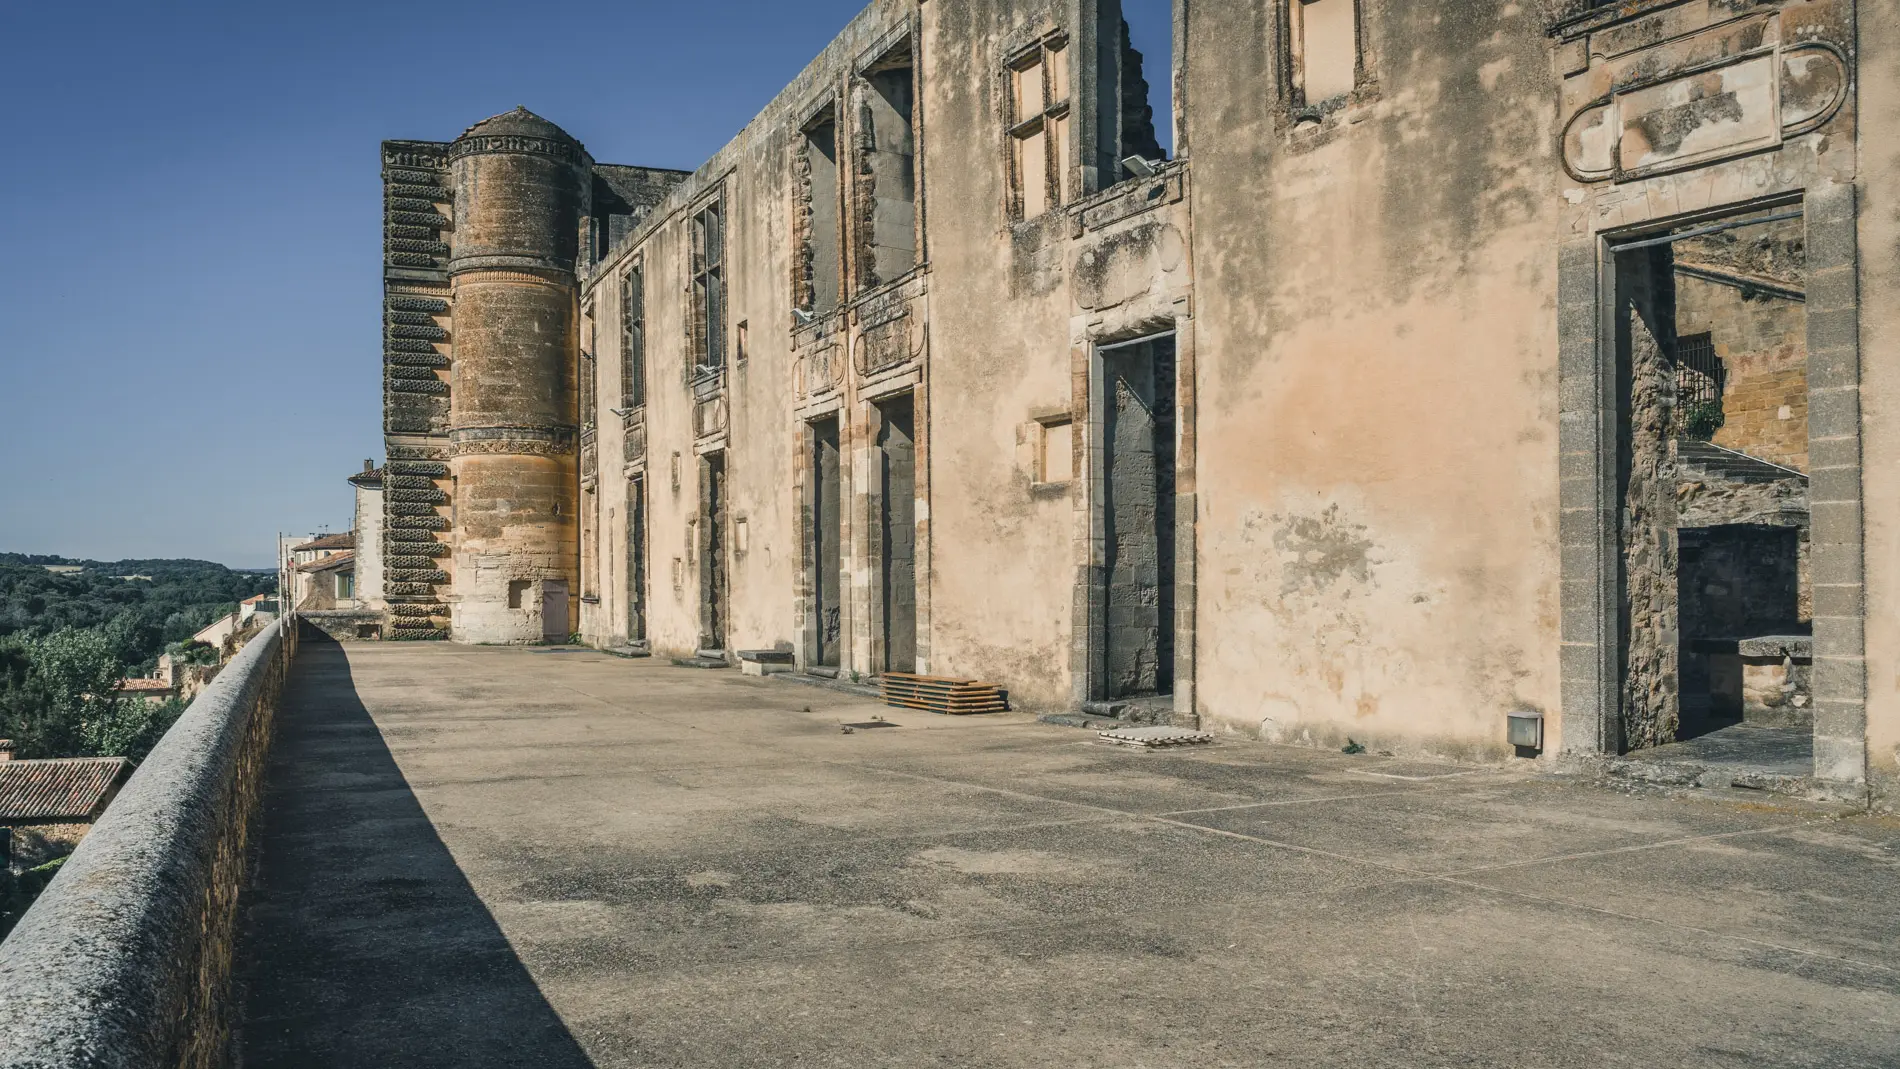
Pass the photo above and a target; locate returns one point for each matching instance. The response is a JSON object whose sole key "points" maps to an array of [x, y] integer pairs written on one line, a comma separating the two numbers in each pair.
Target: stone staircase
{"points": [[1720, 464]]}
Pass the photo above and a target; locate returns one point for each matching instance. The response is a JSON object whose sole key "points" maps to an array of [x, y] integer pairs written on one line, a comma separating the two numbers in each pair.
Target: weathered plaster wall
{"points": [[1879, 233], [1003, 547], [369, 547], [1377, 416]]}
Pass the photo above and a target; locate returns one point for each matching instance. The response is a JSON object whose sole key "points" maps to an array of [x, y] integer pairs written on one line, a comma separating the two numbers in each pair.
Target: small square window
{"points": [[1057, 460]]}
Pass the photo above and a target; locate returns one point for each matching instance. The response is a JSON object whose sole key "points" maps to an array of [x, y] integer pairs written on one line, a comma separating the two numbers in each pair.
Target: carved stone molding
{"points": [[428, 360], [430, 332], [431, 219], [1712, 93], [418, 523], [431, 385], [512, 270], [513, 441], [430, 195], [431, 248], [416, 462], [413, 508], [635, 446], [409, 589], [516, 145], [709, 416], [406, 302]]}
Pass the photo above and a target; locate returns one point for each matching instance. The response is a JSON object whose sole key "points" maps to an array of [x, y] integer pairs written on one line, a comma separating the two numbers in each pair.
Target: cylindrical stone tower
{"points": [[520, 192]]}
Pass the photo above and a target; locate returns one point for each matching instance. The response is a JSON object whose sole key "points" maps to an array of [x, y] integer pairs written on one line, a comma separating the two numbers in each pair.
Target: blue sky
{"points": [[190, 228]]}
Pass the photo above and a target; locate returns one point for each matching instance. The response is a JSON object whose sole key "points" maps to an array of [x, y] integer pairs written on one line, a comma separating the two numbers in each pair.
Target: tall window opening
{"points": [[820, 254], [1324, 50], [1134, 45], [1041, 128], [887, 169], [633, 338], [709, 290], [1146, 59], [589, 369]]}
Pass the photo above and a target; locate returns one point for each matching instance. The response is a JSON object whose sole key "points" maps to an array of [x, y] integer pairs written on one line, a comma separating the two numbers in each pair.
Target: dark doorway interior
{"points": [[637, 559], [897, 496], [713, 575], [1716, 609], [827, 533], [1137, 494], [554, 611]]}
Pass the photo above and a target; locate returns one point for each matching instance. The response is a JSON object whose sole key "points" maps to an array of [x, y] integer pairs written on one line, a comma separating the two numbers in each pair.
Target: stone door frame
{"points": [[1589, 507]]}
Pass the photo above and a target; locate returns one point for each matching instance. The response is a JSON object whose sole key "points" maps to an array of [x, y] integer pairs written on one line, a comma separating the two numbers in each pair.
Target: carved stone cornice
{"points": [[556, 442], [501, 267], [515, 145]]}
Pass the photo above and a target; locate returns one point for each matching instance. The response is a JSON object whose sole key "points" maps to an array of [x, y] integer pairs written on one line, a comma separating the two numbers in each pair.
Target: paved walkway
{"points": [[505, 857]]}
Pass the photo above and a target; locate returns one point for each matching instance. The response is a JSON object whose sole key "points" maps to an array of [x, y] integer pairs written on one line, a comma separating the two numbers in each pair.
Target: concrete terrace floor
{"points": [[513, 857]]}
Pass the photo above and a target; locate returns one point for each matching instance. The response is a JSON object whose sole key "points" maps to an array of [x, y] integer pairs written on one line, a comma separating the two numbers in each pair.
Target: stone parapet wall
{"points": [[125, 959]]}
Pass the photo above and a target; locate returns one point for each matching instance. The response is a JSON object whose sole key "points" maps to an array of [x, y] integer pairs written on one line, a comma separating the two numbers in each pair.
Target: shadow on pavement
{"points": [[364, 943]]}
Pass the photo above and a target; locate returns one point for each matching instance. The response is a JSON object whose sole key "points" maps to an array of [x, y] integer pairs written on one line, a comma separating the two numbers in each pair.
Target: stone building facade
{"points": [[1368, 413]]}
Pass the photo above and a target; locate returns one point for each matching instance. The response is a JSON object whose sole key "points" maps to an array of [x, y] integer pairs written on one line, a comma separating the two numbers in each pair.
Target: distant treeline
{"points": [[67, 637]]}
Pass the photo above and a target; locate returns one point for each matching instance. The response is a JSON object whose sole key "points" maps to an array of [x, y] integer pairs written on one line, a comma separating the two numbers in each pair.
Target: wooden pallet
{"points": [[938, 694]]}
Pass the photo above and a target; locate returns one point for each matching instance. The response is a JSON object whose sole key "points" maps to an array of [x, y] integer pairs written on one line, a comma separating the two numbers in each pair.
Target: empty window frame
{"points": [[1055, 462], [1324, 62], [1133, 80], [589, 367], [1041, 129], [819, 260], [709, 289], [887, 169], [633, 337]]}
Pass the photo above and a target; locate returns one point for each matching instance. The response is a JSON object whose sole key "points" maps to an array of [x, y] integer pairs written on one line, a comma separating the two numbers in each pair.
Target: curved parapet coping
{"points": [[125, 959]]}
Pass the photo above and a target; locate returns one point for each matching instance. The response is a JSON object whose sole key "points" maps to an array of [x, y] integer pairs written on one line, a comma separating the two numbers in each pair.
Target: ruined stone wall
{"points": [[1377, 416], [1652, 634]]}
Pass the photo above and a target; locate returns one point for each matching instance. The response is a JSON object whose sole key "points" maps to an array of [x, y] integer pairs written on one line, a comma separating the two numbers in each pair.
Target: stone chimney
{"points": [[368, 466], [6, 749]]}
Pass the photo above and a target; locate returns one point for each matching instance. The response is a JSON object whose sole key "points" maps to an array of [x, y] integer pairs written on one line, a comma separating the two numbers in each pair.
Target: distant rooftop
{"points": [[346, 540], [64, 788]]}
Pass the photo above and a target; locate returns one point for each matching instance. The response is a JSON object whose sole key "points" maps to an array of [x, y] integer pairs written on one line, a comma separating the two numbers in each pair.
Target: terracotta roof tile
{"points": [[347, 540], [136, 685], [66, 788], [324, 564]]}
